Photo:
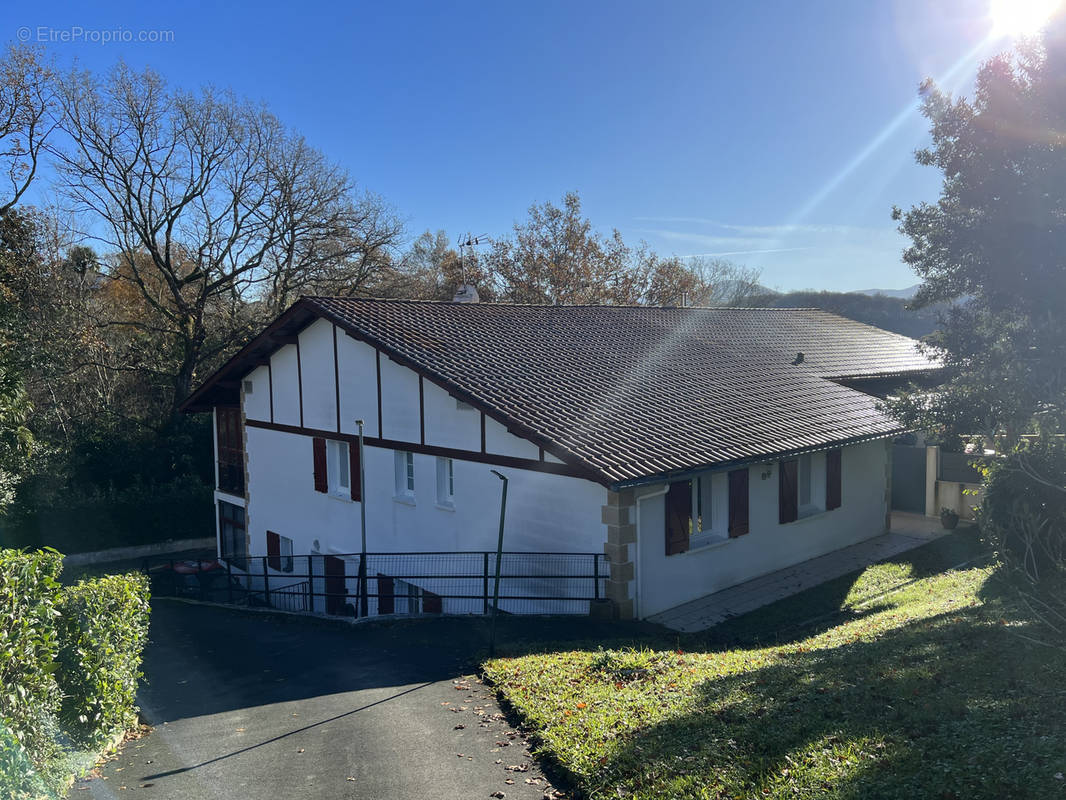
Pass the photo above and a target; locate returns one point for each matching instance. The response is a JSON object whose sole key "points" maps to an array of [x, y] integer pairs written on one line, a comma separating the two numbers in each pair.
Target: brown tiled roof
{"points": [[635, 392]]}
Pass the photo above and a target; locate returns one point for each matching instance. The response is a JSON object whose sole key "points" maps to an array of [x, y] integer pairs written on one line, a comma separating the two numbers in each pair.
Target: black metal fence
{"points": [[392, 583]]}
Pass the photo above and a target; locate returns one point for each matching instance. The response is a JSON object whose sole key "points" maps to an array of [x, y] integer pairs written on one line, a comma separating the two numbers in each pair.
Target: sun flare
{"points": [[1020, 17]]}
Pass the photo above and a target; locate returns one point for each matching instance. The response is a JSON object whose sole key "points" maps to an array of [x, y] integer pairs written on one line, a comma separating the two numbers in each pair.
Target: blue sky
{"points": [[775, 134]]}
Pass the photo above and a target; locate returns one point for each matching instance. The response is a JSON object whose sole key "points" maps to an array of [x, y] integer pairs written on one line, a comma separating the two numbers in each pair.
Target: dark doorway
{"points": [[386, 595], [336, 590], [908, 478]]}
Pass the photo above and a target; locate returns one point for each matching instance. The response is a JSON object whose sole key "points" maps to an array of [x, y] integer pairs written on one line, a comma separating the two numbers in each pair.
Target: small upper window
{"points": [[339, 470], [286, 553], [405, 473], [445, 481]]}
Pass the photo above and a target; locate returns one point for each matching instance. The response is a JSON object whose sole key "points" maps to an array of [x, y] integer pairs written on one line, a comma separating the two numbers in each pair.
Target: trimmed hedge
{"points": [[103, 628], [70, 660], [29, 693], [19, 780]]}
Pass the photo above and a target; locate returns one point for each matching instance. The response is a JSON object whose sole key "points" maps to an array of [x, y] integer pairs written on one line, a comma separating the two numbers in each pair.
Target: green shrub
{"points": [[1024, 509], [29, 695], [19, 779], [103, 627], [1023, 515]]}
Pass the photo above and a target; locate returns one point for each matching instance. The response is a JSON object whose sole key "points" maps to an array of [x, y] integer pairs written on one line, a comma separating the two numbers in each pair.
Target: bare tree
{"points": [[26, 105], [208, 202], [555, 256], [725, 283], [329, 241]]}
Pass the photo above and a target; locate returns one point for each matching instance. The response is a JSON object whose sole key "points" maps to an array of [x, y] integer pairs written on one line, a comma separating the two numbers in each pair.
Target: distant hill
{"points": [[884, 311], [905, 294]]}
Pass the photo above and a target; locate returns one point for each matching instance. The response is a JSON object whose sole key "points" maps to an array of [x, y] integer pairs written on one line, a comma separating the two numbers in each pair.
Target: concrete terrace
{"points": [[907, 532]]}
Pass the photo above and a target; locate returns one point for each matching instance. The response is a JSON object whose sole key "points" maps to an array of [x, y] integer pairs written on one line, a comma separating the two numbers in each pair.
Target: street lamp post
{"points": [[364, 601], [499, 557]]}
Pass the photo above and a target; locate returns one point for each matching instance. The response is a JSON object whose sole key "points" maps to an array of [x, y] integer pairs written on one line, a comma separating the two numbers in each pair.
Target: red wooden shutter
{"points": [[353, 473], [832, 480], [321, 479], [273, 550], [386, 595], [788, 491], [678, 516], [431, 603], [738, 503]]}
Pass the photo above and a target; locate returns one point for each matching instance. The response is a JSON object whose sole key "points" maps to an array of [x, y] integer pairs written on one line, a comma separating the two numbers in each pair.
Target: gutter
{"points": [[719, 466]]}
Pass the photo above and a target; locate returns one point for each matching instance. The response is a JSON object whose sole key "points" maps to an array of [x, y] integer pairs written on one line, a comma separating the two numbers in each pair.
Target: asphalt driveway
{"points": [[247, 705]]}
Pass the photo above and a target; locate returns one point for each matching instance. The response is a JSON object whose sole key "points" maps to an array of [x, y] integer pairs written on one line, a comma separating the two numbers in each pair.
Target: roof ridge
{"points": [[612, 306]]}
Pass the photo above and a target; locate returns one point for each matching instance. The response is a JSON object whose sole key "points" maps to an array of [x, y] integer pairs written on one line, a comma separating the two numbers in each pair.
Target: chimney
{"points": [[467, 293]]}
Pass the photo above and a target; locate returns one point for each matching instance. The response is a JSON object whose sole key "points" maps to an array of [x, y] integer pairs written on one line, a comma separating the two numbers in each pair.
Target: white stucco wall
{"points": [[283, 366], [359, 385], [399, 402], [544, 511], [257, 404], [317, 372], [666, 581], [447, 425]]}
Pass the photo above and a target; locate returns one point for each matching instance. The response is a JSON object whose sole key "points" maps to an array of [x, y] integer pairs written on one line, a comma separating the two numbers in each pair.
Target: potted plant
{"points": [[949, 518]]}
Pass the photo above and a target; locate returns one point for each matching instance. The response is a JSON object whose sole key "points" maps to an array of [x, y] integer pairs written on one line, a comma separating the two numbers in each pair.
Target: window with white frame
{"points": [[445, 482], [233, 542], [279, 552], [339, 470], [710, 508], [811, 484], [405, 474], [286, 553]]}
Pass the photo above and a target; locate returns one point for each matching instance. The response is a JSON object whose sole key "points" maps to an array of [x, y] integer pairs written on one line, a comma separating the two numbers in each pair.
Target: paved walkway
{"points": [[252, 706], [908, 531]]}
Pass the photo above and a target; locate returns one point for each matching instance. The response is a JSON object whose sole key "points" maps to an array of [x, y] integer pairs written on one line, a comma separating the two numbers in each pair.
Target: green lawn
{"points": [[926, 691]]}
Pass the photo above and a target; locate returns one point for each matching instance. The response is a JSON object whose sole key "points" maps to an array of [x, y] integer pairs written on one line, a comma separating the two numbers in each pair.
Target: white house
{"points": [[696, 448]]}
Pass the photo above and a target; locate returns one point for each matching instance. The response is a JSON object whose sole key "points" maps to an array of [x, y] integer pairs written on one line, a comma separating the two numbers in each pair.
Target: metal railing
{"points": [[295, 597], [394, 583]]}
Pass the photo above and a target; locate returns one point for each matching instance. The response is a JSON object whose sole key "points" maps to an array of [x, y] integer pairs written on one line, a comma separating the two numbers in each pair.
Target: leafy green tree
{"points": [[995, 242], [15, 437], [26, 103]]}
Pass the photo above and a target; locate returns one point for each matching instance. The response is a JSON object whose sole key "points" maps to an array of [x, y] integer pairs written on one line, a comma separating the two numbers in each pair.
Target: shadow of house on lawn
{"points": [[953, 706]]}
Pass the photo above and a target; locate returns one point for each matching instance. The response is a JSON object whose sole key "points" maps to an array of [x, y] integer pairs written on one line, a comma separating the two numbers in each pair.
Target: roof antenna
{"points": [[466, 293]]}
